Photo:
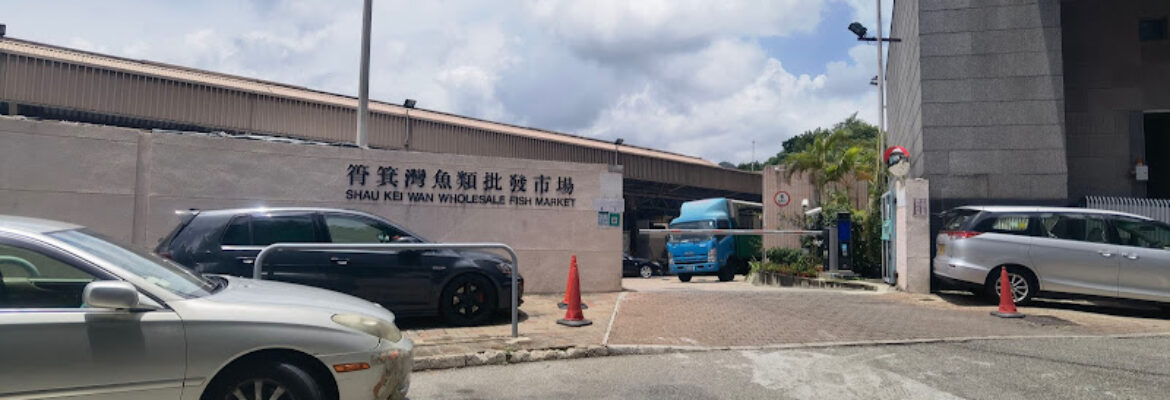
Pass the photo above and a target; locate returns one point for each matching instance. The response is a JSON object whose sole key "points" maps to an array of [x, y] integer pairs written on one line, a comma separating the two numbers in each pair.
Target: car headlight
{"points": [[373, 326], [711, 255], [505, 268]]}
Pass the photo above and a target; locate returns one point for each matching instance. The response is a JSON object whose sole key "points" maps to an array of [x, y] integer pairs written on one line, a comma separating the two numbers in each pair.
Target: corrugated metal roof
{"points": [[204, 77]]}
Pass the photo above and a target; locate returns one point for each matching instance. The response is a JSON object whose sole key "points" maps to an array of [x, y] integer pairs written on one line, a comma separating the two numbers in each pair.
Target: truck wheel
{"points": [[727, 273], [684, 277]]}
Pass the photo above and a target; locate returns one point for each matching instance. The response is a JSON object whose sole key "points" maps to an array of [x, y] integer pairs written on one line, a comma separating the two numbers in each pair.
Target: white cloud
{"points": [[682, 75]]}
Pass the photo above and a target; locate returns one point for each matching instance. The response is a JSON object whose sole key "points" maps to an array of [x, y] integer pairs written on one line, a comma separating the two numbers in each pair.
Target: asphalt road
{"points": [[1094, 368]]}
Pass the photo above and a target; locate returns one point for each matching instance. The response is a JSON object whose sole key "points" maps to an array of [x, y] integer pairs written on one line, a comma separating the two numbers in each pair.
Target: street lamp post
{"points": [[858, 29], [364, 77], [616, 149]]}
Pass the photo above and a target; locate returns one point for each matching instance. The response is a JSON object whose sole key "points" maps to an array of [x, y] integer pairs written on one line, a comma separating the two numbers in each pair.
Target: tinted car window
{"points": [[156, 270], [347, 229], [1012, 224], [267, 230], [954, 220], [1085, 228], [237, 233], [1138, 233]]}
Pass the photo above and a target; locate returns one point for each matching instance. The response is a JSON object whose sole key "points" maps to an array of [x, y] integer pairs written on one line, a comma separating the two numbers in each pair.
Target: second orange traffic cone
{"points": [[1007, 306], [573, 316]]}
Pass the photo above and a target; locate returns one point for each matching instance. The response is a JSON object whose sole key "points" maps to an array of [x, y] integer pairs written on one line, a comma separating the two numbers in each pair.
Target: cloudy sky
{"points": [[699, 77]]}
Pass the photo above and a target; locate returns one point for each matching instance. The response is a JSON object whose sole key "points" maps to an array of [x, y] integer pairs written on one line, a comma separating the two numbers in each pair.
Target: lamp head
{"points": [[858, 29]]}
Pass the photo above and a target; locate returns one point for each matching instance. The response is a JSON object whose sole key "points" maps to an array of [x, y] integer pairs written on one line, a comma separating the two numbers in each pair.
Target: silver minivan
{"points": [[1073, 251], [84, 317]]}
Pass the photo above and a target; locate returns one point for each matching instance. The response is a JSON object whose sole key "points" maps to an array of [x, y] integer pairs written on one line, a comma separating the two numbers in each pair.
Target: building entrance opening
{"points": [[1157, 127]]}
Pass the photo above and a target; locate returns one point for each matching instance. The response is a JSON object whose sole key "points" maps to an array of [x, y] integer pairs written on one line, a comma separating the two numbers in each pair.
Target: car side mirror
{"points": [[115, 295]]}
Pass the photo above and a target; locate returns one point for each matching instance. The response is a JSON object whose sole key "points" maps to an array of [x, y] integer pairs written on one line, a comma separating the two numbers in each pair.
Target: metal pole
{"points": [[409, 130], [364, 77], [258, 265], [881, 92]]}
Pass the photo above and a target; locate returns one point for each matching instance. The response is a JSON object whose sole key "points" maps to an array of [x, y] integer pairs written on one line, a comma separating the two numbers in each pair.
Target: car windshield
{"points": [[691, 237], [156, 270]]}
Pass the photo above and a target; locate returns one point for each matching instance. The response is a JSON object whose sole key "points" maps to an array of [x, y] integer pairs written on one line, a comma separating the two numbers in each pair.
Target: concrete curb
{"points": [[499, 357]]}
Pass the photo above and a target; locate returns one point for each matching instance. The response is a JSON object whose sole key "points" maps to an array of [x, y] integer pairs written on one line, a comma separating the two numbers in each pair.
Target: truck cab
{"points": [[711, 254]]}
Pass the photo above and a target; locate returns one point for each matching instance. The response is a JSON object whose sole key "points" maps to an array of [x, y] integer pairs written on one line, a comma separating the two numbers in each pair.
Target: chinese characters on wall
{"points": [[419, 185]]}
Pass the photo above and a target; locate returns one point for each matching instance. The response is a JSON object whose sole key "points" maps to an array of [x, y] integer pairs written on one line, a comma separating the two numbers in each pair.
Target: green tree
{"points": [[831, 158]]}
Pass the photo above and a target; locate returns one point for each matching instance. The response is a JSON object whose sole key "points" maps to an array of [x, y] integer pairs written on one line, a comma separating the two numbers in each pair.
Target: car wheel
{"points": [[646, 271], [265, 381], [684, 277], [468, 300], [1023, 285], [727, 273]]}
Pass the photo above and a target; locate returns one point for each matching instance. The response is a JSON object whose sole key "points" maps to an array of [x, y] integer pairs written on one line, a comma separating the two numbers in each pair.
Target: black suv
{"points": [[464, 287]]}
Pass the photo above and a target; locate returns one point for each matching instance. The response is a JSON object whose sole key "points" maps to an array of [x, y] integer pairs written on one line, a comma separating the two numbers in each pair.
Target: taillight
{"points": [[956, 235]]}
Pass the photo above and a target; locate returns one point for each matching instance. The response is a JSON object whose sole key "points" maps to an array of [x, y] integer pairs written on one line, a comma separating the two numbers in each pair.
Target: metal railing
{"points": [[258, 265], [1158, 209]]}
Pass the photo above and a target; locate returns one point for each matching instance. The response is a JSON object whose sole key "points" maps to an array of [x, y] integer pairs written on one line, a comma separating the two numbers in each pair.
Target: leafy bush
{"points": [[803, 265], [784, 255]]}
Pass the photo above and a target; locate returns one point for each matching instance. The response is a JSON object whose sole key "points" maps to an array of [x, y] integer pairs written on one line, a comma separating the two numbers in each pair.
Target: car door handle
{"points": [[246, 260], [1130, 256], [1105, 253], [339, 260]]}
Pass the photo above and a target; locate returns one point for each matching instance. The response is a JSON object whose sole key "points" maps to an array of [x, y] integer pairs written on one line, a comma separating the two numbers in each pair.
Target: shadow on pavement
{"points": [[1120, 308], [417, 323]]}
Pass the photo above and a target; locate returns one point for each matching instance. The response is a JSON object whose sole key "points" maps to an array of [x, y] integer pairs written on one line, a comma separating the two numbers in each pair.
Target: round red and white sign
{"points": [[782, 198]]}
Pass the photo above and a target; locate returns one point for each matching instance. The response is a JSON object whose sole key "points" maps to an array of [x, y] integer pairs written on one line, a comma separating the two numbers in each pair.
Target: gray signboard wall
{"points": [[128, 183]]}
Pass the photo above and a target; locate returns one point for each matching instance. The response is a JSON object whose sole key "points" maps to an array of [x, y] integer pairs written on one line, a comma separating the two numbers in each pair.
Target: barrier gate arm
{"points": [[732, 232], [258, 265]]}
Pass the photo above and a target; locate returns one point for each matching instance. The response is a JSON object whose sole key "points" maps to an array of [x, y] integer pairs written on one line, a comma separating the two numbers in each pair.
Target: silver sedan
{"points": [[83, 316]]}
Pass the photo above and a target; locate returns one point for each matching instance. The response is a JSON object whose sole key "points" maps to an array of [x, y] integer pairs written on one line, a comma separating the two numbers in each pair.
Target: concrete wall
{"points": [[127, 183], [992, 99], [904, 85], [789, 216], [1110, 79]]}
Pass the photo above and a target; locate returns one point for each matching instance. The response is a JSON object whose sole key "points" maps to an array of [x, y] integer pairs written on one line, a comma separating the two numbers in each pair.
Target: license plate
{"points": [[942, 248]]}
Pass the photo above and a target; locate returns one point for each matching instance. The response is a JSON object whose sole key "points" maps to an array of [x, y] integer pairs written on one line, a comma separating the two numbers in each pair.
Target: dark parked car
{"points": [[464, 287], [633, 266]]}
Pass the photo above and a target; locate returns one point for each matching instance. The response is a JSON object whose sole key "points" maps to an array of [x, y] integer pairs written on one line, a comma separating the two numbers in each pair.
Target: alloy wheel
{"points": [[645, 271], [468, 300], [259, 389], [1019, 286]]}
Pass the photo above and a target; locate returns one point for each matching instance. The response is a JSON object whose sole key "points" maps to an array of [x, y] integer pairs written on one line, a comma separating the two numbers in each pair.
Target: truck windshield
{"points": [[691, 237]]}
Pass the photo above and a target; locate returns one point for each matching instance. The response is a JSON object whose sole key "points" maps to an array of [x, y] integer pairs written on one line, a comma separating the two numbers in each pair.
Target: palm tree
{"points": [[831, 158]]}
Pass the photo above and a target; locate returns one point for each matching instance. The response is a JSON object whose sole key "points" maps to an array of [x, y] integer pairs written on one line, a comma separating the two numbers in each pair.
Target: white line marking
{"points": [[616, 304]]}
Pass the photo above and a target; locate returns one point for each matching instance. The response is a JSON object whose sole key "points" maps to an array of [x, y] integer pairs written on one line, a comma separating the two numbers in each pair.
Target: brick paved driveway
{"points": [[666, 313]]}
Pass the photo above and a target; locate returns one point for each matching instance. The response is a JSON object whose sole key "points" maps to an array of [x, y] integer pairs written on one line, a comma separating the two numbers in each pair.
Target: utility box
{"points": [[844, 248]]}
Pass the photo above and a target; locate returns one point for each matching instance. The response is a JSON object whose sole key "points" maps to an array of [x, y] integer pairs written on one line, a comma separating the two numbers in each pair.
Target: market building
{"points": [[120, 144]]}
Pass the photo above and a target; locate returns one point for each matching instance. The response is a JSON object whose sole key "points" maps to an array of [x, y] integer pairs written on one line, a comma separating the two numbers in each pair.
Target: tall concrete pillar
{"points": [[912, 239]]}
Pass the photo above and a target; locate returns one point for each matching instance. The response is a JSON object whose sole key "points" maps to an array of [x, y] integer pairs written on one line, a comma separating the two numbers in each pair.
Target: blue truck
{"points": [[706, 254]]}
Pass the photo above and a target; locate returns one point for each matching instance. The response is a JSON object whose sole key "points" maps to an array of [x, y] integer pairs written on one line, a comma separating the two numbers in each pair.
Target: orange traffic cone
{"points": [[574, 317], [1007, 307], [564, 304]]}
